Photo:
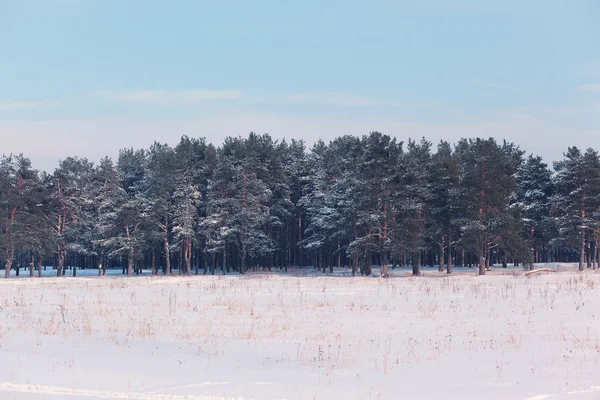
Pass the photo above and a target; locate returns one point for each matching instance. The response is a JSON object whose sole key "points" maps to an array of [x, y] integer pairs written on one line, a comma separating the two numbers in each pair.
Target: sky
{"points": [[88, 77]]}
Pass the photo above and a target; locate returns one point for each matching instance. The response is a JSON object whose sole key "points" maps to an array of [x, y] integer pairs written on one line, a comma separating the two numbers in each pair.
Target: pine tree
{"points": [[577, 196], [196, 162], [125, 211], [17, 182], [38, 236], [293, 159], [313, 200], [330, 202], [416, 194], [488, 183], [238, 201], [67, 188], [534, 191], [159, 186], [186, 199], [255, 200], [377, 190], [106, 194], [443, 203]]}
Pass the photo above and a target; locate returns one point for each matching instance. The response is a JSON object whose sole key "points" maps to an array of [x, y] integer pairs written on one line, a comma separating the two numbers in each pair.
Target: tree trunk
{"points": [[367, 262], [595, 256], [153, 263], [167, 256], [100, 264], [581, 250], [384, 265], [187, 255], [289, 258], [416, 267], [224, 260], [449, 260], [130, 259], [441, 255], [339, 258], [39, 265], [9, 263], [482, 260], [188, 258], [532, 260], [243, 260], [61, 262], [31, 265], [595, 253], [300, 258]]}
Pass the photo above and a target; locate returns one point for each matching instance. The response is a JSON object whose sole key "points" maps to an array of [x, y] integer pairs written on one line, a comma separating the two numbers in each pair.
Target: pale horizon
{"points": [[89, 78]]}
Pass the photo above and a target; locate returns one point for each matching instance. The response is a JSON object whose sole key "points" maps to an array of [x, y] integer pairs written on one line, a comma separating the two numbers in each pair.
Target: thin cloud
{"points": [[192, 96], [166, 96], [591, 87], [488, 84], [337, 99], [12, 105]]}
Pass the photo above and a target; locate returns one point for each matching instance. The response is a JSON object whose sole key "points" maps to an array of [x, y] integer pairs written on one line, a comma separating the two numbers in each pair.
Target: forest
{"points": [[258, 203]]}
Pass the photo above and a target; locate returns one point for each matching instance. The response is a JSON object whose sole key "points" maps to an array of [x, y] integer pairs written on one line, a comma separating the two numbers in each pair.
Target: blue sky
{"points": [[87, 77]]}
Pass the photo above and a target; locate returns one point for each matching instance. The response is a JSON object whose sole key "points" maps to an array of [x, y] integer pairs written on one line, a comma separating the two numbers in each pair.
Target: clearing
{"points": [[273, 336]]}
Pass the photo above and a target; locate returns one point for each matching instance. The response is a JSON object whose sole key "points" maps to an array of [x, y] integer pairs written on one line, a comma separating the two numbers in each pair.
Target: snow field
{"points": [[269, 336]]}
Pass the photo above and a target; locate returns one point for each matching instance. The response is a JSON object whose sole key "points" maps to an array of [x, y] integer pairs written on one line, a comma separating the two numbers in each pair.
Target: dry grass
{"points": [[328, 324]]}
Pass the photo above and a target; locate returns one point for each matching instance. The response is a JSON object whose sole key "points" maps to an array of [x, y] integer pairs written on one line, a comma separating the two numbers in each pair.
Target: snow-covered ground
{"points": [[275, 336]]}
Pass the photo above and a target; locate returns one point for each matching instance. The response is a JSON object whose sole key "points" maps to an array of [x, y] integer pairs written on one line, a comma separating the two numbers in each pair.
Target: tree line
{"points": [[255, 202]]}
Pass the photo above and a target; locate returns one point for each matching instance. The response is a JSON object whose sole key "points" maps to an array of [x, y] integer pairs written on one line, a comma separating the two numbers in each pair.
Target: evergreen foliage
{"points": [[255, 202]]}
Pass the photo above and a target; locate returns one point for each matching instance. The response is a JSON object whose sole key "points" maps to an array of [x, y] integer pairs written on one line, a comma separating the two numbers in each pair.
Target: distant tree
{"points": [[534, 193], [293, 159], [196, 162], [125, 223], [415, 171], [488, 183], [39, 240], [238, 200], [159, 185], [107, 195], [255, 201], [577, 197], [68, 189], [185, 201], [377, 190], [17, 182], [443, 203]]}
